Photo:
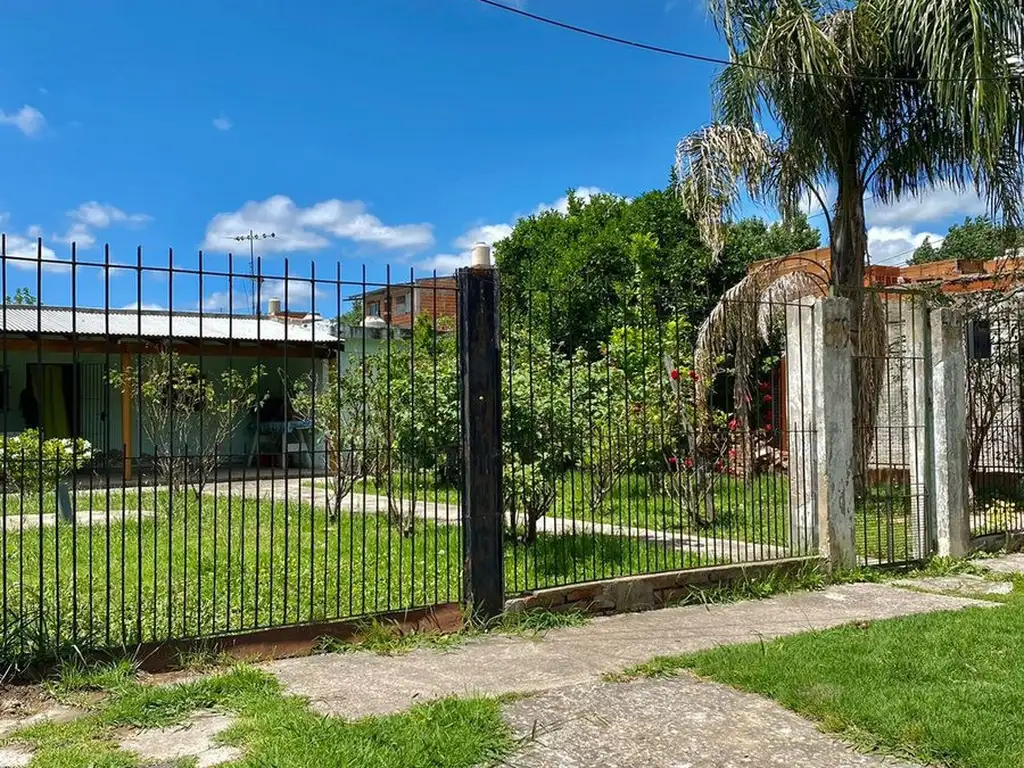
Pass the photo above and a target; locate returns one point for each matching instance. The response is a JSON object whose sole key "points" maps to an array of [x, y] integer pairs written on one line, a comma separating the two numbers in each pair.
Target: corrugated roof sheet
{"points": [[156, 324]]}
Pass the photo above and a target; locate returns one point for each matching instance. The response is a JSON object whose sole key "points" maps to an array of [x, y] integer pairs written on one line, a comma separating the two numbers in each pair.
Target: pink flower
{"points": [[768, 427], [732, 453], [767, 398], [719, 465], [688, 463], [734, 424], [672, 460]]}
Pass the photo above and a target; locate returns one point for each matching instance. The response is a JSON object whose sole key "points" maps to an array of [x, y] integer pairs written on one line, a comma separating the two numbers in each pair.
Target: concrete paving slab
{"points": [[967, 585], [57, 713], [1009, 564], [355, 685], [193, 739], [680, 722], [15, 757]]}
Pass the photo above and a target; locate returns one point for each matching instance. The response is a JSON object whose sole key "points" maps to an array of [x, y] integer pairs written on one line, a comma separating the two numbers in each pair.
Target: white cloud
{"points": [[937, 205], [895, 245], [561, 205], [90, 216], [146, 307], [24, 253], [486, 233], [44, 91], [446, 263], [295, 293], [308, 229], [28, 120], [222, 123]]}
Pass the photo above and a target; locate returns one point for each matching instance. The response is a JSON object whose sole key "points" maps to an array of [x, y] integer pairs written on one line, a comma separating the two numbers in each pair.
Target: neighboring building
{"points": [[990, 293], [55, 365], [398, 305]]}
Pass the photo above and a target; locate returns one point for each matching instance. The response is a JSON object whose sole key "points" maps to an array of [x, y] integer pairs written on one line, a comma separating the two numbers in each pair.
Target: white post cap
{"points": [[481, 255]]}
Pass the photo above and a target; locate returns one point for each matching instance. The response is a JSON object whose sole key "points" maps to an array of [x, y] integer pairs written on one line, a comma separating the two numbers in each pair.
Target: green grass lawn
{"points": [[271, 729], [945, 689], [191, 570]]}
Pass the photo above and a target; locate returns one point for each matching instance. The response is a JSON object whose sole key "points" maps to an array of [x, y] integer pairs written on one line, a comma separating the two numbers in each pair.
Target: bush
{"points": [[27, 461]]}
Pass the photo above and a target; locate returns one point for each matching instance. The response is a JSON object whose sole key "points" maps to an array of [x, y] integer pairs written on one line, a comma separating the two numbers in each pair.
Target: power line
{"points": [[725, 62]]}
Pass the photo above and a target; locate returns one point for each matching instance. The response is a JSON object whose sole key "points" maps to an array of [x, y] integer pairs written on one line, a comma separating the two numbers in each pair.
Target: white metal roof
{"points": [[159, 324]]}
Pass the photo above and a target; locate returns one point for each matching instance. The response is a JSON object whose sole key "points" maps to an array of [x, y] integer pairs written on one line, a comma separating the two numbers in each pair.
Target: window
{"points": [[400, 304], [375, 309], [979, 340]]}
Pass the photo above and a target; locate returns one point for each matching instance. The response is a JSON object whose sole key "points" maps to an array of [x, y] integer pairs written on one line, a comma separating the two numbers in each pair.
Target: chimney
{"points": [[274, 307]]}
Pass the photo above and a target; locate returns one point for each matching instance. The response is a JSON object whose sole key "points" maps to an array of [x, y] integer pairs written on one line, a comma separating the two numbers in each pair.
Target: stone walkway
{"points": [[355, 685], [565, 715]]}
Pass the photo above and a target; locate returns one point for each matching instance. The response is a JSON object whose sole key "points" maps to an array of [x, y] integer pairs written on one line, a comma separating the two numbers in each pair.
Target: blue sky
{"points": [[365, 132]]}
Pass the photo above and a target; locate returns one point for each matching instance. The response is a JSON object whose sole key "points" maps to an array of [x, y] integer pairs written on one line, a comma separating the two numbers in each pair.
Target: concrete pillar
{"points": [[800, 426], [949, 398], [833, 410], [916, 381]]}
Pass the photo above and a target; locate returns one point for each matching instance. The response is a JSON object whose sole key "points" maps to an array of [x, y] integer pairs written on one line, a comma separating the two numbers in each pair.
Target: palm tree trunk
{"points": [[849, 255]]}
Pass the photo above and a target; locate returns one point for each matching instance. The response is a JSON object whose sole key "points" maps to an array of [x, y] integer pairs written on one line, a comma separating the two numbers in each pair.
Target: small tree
{"points": [[187, 414], [335, 407]]}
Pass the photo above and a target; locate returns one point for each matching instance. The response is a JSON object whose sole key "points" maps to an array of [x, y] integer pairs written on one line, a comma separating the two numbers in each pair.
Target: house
{"points": [[400, 304], [56, 365]]}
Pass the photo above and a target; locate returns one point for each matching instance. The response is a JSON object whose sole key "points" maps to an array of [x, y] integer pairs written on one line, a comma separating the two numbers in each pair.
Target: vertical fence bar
{"points": [[482, 516]]}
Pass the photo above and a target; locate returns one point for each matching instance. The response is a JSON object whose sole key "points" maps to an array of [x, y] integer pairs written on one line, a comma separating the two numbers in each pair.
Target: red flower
{"points": [[765, 386], [719, 465], [734, 424], [672, 460], [732, 453], [767, 398], [693, 376], [675, 375], [688, 463], [768, 427]]}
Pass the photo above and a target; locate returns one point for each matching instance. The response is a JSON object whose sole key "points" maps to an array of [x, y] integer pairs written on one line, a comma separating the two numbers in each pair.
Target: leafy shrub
{"points": [[27, 460]]}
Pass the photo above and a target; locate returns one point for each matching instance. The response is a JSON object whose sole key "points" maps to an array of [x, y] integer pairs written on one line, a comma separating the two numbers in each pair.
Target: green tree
{"points": [[578, 274], [977, 238], [879, 96], [926, 253], [22, 296]]}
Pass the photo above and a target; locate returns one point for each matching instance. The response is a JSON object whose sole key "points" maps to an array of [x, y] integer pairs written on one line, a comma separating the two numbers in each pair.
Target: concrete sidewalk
{"points": [[572, 719], [355, 685]]}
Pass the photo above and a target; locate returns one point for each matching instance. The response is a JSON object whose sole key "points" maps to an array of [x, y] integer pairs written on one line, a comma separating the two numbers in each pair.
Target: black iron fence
{"points": [[190, 450], [995, 401], [892, 443], [652, 445]]}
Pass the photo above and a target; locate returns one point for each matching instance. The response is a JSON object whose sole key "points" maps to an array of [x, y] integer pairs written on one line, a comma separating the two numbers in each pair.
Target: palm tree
{"points": [[879, 97]]}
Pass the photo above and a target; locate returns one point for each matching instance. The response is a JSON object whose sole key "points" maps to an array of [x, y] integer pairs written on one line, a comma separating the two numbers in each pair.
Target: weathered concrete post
{"points": [[916, 333], [833, 410], [801, 342], [949, 388]]}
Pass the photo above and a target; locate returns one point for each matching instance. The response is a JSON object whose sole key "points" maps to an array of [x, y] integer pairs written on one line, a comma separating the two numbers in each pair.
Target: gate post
{"points": [[920, 442], [951, 472], [833, 416], [480, 394]]}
